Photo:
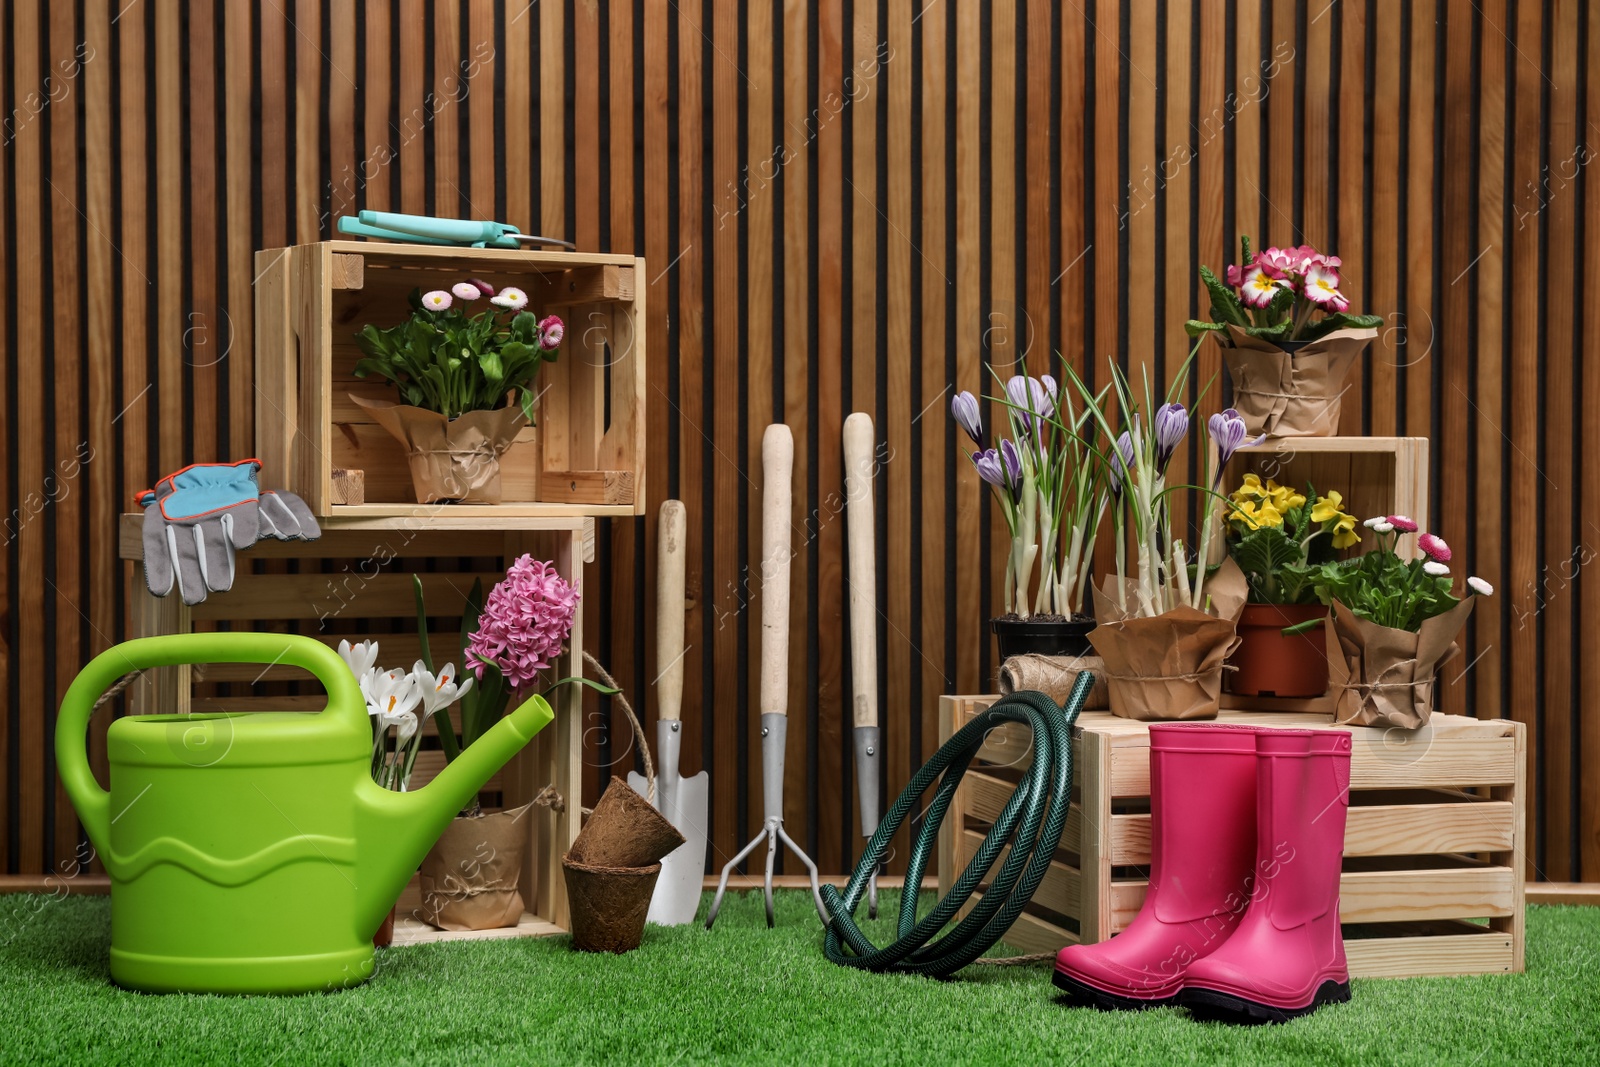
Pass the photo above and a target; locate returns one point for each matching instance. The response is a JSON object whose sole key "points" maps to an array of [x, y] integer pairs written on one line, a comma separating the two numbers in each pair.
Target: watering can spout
{"points": [[402, 827]]}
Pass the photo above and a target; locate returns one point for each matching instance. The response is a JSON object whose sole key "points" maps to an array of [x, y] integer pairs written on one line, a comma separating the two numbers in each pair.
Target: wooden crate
{"points": [[585, 456], [1375, 476], [1434, 845], [355, 582]]}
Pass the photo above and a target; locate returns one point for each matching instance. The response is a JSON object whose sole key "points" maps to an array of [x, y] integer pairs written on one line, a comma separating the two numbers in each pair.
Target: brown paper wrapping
{"points": [[1291, 395], [451, 459], [1169, 666], [469, 879], [1384, 676], [1054, 676]]}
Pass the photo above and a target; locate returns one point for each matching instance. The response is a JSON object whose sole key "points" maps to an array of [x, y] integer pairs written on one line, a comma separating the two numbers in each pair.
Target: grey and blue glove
{"points": [[196, 518]]}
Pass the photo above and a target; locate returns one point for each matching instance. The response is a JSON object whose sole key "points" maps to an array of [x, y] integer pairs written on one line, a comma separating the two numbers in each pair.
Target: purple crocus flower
{"points": [[1172, 422], [1228, 431], [1121, 462], [964, 408], [988, 463], [1029, 398], [1011, 459]]}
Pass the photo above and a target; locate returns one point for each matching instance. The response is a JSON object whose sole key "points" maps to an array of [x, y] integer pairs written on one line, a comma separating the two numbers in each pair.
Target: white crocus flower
{"points": [[438, 692], [361, 656], [393, 696]]}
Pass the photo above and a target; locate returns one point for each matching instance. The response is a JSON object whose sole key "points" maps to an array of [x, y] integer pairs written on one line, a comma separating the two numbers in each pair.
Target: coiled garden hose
{"points": [[1031, 823]]}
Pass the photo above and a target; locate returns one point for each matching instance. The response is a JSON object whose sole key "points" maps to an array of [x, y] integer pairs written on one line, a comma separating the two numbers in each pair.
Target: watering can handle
{"points": [[72, 724]]}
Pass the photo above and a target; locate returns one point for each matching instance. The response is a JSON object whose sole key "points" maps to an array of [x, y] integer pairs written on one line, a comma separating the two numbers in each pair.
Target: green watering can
{"points": [[252, 852]]}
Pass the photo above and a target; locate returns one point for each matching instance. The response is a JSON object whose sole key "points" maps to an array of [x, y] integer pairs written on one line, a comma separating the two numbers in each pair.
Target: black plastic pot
{"points": [[1292, 347], [1019, 636]]}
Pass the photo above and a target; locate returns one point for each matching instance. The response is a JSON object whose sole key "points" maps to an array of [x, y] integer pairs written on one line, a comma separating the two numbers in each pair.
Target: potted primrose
{"points": [[466, 381], [1288, 338], [1394, 624], [1273, 532], [1050, 486]]}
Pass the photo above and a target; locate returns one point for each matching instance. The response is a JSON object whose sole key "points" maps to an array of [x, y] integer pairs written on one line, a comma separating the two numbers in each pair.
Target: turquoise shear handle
{"points": [[427, 230]]}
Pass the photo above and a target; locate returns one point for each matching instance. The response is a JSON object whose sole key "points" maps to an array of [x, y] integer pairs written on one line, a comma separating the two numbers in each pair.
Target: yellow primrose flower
{"points": [[1327, 507], [1250, 489], [1256, 515], [1344, 532], [1285, 497]]}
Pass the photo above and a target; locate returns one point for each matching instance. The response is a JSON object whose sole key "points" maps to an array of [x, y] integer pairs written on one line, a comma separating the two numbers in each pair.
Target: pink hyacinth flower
{"points": [[525, 623], [1434, 548]]}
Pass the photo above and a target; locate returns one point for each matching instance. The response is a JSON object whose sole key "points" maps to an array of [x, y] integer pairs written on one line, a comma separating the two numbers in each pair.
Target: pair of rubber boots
{"points": [[1241, 922]]}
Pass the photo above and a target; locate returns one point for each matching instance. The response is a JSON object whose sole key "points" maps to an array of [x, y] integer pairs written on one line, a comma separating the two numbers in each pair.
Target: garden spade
{"points": [[682, 801], [777, 464], [858, 477]]}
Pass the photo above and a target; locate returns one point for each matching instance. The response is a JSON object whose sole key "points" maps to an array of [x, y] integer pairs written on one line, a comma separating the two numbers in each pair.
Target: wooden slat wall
{"points": [[845, 206]]}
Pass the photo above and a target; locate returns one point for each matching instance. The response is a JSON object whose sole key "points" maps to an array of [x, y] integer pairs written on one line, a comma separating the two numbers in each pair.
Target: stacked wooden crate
{"points": [[583, 459]]}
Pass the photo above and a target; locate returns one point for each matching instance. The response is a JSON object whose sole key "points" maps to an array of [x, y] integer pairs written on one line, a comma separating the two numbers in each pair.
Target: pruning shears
{"points": [[428, 230]]}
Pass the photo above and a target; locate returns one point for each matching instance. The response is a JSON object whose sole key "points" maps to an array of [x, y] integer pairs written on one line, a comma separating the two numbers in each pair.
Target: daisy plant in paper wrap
{"points": [[1280, 294], [1382, 587], [403, 701], [1278, 534], [1166, 573], [458, 352]]}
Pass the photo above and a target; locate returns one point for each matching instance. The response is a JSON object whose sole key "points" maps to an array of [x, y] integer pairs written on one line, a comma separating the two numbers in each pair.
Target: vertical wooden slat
{"points": [[963, 56], [1381, 290], [1588, 814]]}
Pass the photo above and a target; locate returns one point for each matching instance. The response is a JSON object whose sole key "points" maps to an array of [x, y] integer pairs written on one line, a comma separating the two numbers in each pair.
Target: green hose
{"points": [[1032, 822]]}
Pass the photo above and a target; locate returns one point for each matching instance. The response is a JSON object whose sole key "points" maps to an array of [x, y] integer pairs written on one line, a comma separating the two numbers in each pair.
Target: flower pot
{"points": [[385, 935], [1058, 637], [624, 831], [1383, 676], [608, 904], [1268, 664], [470, 878], [452, 460], [1165, 667], [1293, 388]]}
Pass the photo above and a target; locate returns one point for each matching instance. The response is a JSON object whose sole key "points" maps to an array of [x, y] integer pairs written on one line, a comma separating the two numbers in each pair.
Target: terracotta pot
{"points": [[385, 935], [1019, 637], [1268, 664]]}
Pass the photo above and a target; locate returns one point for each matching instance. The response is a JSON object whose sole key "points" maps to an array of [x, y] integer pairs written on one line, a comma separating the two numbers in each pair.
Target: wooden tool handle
{"points": [[777, 468], [672, 550], [858, 474]]}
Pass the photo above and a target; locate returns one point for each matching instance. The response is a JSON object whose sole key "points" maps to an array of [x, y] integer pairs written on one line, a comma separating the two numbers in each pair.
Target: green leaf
{"points": [[1199, 327], [1303, 627], [1225, 305], [1340, 320]]}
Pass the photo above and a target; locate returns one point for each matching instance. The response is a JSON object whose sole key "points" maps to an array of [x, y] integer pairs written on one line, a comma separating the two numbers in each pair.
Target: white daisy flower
{"points": [[438, 300], [466, 291], [1435, 568], [510, 297], [1383, 526], [1479, 586]]}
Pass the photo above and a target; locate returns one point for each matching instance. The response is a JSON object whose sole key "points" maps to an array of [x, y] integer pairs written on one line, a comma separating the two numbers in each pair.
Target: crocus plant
{"points": [[448, 359], [1279, 294], [1047, 480], [1166, 573], [1381, 586], [1278, 535], [403, 701]]}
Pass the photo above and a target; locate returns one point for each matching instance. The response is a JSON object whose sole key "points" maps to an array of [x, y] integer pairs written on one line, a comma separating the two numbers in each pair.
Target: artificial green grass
{"points": [[744, 993]]}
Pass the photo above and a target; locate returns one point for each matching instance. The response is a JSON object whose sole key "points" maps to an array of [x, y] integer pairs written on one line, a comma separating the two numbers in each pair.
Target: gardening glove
{"points": [[194, 519]]}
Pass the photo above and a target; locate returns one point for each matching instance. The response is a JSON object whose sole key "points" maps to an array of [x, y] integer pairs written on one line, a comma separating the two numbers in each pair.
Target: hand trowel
{"points": [[681, 800]]}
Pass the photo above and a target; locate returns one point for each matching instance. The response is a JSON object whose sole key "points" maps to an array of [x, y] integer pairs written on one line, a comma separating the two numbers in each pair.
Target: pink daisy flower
{"points": [[1403, 523], [1434, 548]]}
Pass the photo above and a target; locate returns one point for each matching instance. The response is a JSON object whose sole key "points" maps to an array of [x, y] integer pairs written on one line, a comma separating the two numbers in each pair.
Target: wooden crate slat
{"points": [[1377, 830], [1413, 957], [1058, 891], [1031, 934], [346, 594]]}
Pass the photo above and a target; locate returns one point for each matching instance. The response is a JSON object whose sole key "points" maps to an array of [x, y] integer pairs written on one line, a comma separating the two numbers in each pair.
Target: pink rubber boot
{"points": [[1287, 956], [1202, 842]]}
